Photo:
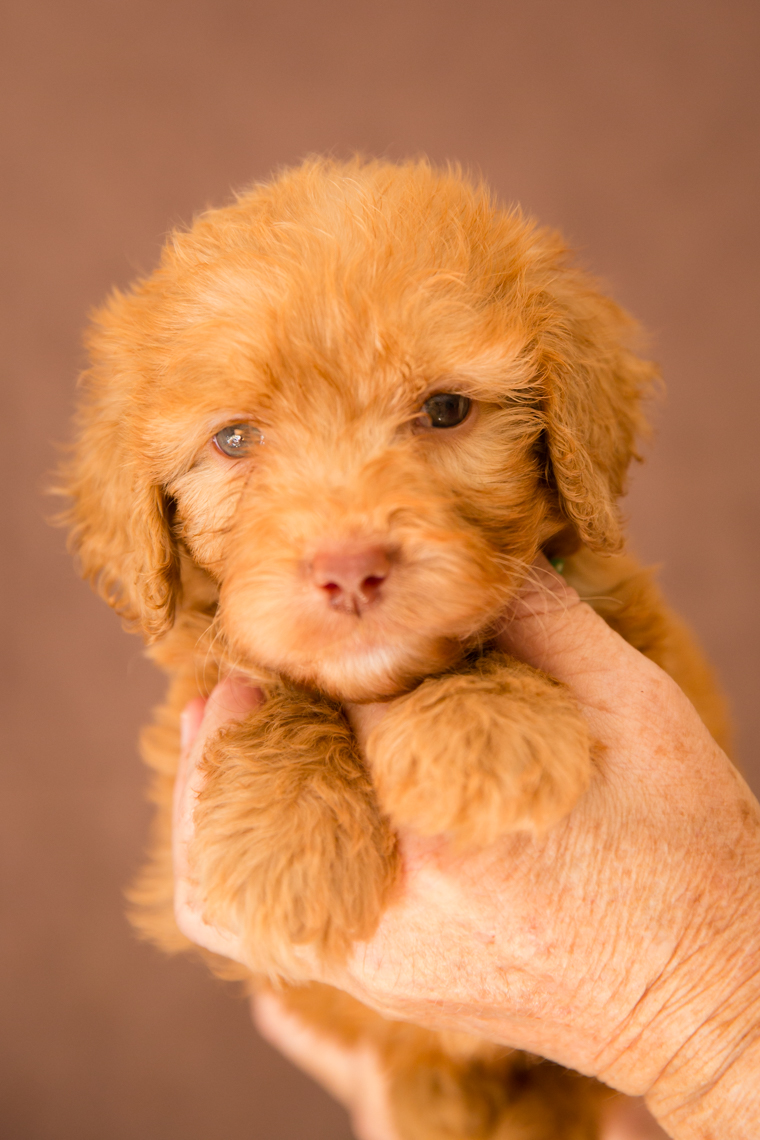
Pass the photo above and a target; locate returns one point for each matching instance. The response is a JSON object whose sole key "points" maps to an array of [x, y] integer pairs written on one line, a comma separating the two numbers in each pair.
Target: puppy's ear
{"points": [[119, 517], [592, 385]]}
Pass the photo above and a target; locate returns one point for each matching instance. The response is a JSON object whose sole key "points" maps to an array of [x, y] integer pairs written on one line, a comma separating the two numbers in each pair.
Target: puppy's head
{"points": [[359, 400]]}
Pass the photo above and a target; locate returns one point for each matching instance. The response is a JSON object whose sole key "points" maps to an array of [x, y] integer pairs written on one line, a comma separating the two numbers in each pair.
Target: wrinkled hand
{"points": [[621, 944]]}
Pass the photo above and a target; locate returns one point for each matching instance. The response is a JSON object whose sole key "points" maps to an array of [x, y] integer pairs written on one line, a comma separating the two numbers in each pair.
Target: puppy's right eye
{"points": [[238, 440], [446, 409]]}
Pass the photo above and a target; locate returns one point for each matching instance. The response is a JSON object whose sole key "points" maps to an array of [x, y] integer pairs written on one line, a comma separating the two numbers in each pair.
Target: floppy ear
{"points": [[592, 390], [120, 529]]}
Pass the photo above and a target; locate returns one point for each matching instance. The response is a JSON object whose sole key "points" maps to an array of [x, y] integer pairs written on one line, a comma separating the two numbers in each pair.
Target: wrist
{"points": [[711, 1087], [692, 1045]]}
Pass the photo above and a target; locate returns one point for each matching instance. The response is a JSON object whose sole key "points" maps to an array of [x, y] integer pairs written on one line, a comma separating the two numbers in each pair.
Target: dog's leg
{"points": [[507, 1096], [290, 849], [477, 754]]}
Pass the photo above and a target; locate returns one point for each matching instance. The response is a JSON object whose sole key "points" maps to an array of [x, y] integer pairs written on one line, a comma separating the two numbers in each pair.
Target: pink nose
{"points": [[351, 576]]}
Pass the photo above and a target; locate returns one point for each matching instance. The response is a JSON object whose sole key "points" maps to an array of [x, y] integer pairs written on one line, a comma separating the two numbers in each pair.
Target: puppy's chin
{"points": [[375, 672], [383, 653], [372, 672]]}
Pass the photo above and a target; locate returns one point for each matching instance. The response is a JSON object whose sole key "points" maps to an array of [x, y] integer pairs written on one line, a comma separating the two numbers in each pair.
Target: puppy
{"points": [[322, 444]]}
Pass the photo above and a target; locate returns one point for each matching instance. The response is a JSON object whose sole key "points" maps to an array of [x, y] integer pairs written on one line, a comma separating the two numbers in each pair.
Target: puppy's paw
{"points": [[290, 851], [476, 755]]}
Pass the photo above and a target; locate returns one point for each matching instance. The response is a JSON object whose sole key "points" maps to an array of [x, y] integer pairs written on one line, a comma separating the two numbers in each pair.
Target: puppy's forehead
{"points": [[353, 285], [346, 325]]}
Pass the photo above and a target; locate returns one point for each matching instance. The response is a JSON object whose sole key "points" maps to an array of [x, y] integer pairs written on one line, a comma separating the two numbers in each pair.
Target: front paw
{"points": [[290, 852], [478, 754]]}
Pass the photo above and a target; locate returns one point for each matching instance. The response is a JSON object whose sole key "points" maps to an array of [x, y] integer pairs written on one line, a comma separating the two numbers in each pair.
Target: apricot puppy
{"points": [[322, 444]]}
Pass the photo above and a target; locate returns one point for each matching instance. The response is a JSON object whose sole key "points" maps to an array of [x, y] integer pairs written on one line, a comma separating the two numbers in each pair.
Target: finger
{"points": [[548, 626], [189, 723], [323, 1060], [543, 591], [190, 720], [190, 921], [231, 700], [352, 1075]]}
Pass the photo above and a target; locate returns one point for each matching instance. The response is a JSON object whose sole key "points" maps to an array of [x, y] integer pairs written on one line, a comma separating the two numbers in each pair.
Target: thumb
{"points": [[232, 699], [548, 626]]}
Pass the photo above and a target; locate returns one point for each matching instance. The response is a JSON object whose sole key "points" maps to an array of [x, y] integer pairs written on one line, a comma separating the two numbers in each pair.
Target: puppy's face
{"points": [[364, 514], [360, 400]]}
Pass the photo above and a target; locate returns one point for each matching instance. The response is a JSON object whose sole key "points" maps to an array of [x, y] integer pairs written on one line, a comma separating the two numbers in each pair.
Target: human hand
{"points": [[355, 1077], [621, 944]]}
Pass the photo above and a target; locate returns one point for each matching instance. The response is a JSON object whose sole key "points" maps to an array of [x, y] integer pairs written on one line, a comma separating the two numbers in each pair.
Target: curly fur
{"points": [[325, 307], [287, 790], [511, 741]]}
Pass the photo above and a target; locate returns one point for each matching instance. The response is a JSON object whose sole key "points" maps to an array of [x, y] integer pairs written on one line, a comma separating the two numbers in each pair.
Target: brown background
{"points": [[632, 126]]}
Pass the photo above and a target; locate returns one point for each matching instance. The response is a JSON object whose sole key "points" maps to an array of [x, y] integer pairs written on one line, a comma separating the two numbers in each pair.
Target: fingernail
{"points": [[236, 696]]}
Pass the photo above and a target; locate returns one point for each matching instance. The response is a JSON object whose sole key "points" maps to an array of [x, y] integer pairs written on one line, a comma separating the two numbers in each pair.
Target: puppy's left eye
{"points": [[446, 409], [238, 440]]}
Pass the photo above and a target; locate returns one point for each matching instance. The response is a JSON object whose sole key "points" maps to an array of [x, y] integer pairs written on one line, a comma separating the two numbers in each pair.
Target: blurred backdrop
{"points": [[632, 127]]}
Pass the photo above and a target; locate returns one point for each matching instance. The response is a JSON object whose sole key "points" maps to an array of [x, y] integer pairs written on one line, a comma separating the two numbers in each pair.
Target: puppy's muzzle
{"points": [[351, 577]]}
